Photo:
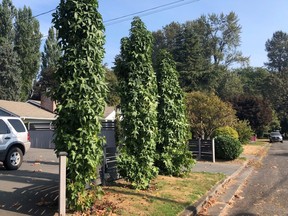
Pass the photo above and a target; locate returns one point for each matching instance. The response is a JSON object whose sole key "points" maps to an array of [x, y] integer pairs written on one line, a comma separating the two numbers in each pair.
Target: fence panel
{"points": [[202, 149]]}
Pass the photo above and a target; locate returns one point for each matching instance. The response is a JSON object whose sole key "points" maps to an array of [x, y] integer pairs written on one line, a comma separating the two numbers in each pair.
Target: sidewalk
{"points": [[220, 196]]}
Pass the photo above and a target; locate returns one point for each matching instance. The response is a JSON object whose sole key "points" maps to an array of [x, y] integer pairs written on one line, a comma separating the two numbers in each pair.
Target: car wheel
{"points": [[13, 159]]}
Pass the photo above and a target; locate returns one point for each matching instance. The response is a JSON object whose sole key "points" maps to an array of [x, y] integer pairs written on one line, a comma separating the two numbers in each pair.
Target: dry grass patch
{"points": [[166, 196], [258, 148]]}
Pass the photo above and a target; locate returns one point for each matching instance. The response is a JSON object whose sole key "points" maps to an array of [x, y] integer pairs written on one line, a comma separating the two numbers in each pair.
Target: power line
{"points": [[41, 14], [153, 10], [142, 13]]}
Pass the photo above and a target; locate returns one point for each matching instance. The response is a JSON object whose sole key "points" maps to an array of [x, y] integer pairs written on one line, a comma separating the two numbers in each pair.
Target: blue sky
{"points": [[259, 20]]}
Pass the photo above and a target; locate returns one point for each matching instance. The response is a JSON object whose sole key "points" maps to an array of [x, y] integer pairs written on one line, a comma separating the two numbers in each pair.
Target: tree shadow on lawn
{"points": [[28, 192]]}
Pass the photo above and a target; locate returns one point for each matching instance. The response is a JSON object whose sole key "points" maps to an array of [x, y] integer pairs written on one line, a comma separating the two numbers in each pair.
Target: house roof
{"points": [[33, 110], [25, 110]]}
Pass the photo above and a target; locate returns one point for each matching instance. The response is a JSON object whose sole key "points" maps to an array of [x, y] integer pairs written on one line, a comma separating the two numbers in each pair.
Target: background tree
{"points": [[254, 109], [230, 85], [50, 58], [203, 49], [277, 52], [113, 98], [172, 149], [10, 72], [206, 112], [7, 14], [80, 96], [138, 105], [252, 79], [27, 46]]}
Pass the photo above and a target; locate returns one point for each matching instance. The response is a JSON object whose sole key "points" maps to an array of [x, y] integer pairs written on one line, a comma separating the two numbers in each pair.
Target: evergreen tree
{"points": [[174, 157], [7, 14], [138, 106], [10, 71], [50, 58], [277, 52], [80, 96], [27, 46]]}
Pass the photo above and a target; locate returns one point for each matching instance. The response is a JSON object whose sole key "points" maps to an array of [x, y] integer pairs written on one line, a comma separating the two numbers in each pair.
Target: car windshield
{"points": [[275, 134]]}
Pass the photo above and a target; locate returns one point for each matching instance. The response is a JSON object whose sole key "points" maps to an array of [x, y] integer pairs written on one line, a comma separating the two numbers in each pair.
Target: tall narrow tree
{"points": [[27, 46], [10, 72], [7, 14], [138, 106], [80, 95], [174, 157], [50, 58]]}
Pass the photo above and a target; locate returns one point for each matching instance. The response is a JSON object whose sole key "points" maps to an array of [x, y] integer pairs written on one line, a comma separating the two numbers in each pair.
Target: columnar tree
{"points": [[10, 72], [27, 46], [174, 157], [50, 58], [138, 106], [80, 95]]}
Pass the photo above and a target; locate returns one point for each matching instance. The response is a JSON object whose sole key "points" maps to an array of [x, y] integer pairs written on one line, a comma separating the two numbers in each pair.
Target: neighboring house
{"points": [[37, 119], [38, 116]]}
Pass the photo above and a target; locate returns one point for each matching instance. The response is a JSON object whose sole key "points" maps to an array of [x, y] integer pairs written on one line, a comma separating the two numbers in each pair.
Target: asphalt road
{"points": [[33, 188], [266, 191]]}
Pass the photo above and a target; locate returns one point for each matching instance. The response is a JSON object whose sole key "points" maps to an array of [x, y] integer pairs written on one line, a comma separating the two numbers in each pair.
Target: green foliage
{"points": [[252, 79], [277, 52], [80, 96], [206, 112], [10, 73], [226, 131], [203, 49], [227, 148], [254, 109], [50, 58], [174, 157], [230, 84], [113, 98], [7, 14], [244, 130], [138, 105], [27, 46]]}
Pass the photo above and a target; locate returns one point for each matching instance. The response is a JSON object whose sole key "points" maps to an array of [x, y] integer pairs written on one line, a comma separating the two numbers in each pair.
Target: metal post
{"points": [[62, 185], [213, 150], [103, 168], [199, 148]]}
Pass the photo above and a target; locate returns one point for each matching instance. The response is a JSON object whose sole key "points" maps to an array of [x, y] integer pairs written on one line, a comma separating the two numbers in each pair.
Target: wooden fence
{"points": [[203, 149]]}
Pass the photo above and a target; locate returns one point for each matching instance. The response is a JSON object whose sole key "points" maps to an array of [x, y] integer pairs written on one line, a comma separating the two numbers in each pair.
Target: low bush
{"points": [[226, 131], [227, 147], [244, 130]]}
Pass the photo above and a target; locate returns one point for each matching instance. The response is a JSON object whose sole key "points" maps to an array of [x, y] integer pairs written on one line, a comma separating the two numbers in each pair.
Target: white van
{"points": [[14, 142]]}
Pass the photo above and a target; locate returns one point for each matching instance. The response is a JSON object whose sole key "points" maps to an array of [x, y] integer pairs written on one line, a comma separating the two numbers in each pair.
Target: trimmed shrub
{"points": [[226, 131], [244, 130], [227, 147]]}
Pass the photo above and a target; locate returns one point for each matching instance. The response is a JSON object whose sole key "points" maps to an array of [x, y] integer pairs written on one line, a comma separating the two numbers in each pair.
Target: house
{"points": [[38, 117]]}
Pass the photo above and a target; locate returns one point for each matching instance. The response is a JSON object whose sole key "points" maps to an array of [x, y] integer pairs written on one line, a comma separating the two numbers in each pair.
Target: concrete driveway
{"points": [[32, 189]]}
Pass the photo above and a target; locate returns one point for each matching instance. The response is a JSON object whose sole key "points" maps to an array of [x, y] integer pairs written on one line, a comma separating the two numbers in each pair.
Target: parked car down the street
{"points": [[275, 136]]}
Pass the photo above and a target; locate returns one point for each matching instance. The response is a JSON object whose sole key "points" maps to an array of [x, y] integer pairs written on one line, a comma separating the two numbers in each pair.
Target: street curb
{"points": [[193, 210]]}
